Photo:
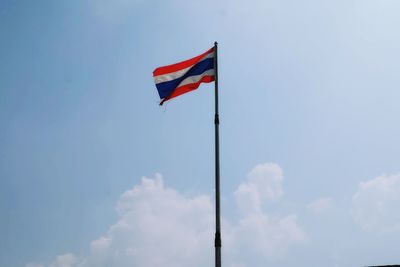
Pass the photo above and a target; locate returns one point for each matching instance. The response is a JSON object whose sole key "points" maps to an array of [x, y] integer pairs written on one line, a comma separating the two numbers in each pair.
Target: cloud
{"points": [[320, 205], [264, 182], [376, 202], [159, 226], [265, 234]]}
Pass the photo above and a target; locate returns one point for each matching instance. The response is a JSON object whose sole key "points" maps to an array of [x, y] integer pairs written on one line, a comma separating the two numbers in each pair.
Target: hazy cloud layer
{"points": [[320, 205], [33, 264], [159, 226], [112, 11]]}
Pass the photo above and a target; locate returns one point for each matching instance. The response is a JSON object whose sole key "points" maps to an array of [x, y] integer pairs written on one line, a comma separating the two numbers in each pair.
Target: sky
{"points": [[94, 173]]}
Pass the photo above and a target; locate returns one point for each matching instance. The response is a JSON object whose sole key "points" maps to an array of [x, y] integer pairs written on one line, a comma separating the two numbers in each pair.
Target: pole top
{"points": [[215, 43]]}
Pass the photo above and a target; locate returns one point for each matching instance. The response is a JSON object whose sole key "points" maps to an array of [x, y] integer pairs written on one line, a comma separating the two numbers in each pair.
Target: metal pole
{"points": [[217, 240]]}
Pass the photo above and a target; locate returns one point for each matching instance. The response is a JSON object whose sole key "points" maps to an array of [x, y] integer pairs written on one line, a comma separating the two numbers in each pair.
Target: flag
{"points": [[179, 78]]}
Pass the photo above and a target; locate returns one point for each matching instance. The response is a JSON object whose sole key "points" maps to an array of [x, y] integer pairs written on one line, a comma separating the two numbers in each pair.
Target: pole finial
{"points": [[215, 43]]}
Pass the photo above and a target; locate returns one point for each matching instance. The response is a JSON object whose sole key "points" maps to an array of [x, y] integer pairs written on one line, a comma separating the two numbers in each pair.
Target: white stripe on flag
{"points": [[196, 78], [177, 74]]}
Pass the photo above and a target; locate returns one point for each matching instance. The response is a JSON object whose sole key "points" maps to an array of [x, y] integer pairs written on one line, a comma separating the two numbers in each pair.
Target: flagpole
{"points": [[217, 240]]}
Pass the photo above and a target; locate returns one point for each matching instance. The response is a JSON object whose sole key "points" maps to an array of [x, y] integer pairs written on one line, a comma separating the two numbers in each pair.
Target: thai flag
{"points": [[177, 79]]}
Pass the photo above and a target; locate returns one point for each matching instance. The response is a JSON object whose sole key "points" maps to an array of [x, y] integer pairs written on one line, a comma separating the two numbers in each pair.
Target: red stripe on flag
{"points": [[188, 87], [180, 65]]}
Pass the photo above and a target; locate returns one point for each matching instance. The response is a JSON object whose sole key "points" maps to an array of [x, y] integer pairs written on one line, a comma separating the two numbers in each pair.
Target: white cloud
{"points": [[376, 204], [264, 182], [320, 205], [158, 226], [270, 236]]}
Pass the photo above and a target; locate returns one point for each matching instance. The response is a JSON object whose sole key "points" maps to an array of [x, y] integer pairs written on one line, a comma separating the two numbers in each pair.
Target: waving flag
{"points": [[177, 79]]}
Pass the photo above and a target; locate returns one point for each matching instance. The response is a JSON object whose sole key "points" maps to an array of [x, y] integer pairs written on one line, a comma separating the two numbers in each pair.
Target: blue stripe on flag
{"points": [[166, 88]]}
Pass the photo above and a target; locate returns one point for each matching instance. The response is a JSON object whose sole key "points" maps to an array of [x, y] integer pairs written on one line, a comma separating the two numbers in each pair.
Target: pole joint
{"points": [[216, 119], [217, 241]]}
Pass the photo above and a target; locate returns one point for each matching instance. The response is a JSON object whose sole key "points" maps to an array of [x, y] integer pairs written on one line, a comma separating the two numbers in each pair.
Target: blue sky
{"points": [[309, 109]]}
